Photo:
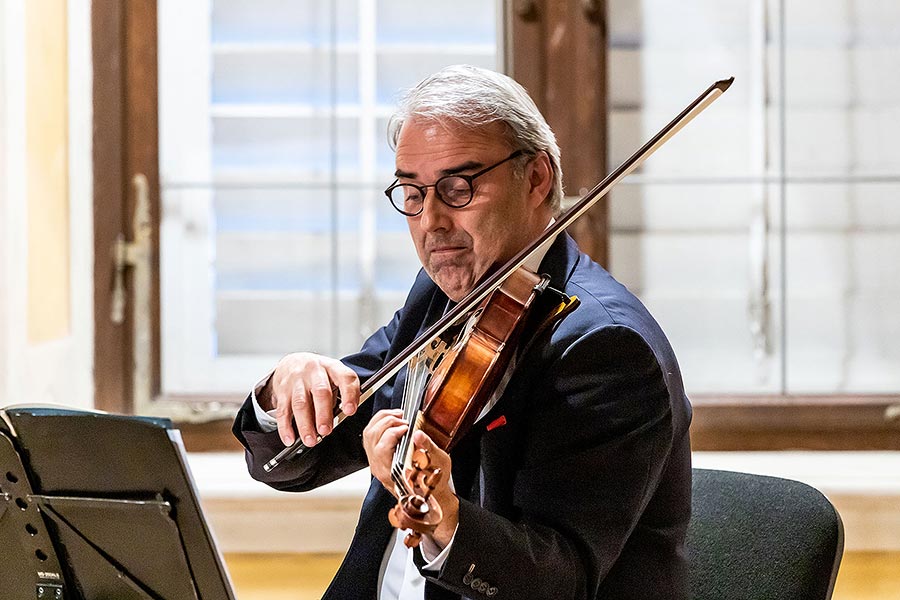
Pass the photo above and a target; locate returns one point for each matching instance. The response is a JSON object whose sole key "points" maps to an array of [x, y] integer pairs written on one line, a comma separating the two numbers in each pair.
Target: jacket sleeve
{"points": [[597, 432]]}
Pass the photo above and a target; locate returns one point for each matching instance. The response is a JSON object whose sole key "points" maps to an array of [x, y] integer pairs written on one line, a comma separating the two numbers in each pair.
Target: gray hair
{"points": [[474, 97]]}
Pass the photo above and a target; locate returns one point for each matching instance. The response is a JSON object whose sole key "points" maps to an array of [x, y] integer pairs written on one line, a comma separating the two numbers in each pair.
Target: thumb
{"points": [[422, 440], [436, 455]]}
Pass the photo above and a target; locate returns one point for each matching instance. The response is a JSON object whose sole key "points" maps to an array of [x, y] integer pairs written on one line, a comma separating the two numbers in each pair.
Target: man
{"points": [[576, 481]]}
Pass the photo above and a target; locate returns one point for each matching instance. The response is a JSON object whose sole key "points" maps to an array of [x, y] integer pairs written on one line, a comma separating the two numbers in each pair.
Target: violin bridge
{"points": [[434, 352]]}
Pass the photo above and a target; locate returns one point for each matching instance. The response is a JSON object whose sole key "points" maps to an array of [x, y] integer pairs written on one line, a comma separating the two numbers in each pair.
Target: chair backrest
{"points": [[756, 537]]}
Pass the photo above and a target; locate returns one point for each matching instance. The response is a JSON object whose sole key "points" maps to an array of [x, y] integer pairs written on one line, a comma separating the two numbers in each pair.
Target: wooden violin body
{"points": [[466, 378], [462, 383]]}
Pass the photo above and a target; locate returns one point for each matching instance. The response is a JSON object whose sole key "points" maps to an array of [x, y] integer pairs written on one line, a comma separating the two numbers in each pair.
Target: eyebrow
{"points": [[466, 166]]}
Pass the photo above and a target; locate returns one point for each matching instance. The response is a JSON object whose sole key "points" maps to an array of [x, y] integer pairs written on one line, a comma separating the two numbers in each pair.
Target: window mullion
{"points": [[368, 81]]}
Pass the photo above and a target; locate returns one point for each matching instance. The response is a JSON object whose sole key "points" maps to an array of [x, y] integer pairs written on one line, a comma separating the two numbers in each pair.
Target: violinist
{"points": [[574, 482]]}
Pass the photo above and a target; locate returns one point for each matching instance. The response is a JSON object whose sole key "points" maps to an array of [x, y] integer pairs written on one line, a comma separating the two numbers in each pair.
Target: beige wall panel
{"points": [[46, 122]]}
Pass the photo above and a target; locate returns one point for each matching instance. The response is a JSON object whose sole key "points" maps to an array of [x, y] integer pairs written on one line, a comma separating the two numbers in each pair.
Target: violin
{"points": [[461, 379], [463, 372]]}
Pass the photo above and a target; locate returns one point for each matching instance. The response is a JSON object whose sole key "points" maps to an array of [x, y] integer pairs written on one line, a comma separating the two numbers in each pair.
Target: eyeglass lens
{"points": [[452, 190]]}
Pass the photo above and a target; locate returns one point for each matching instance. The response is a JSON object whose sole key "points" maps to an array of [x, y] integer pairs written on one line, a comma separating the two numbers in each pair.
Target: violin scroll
{"points": [[418, 511]]}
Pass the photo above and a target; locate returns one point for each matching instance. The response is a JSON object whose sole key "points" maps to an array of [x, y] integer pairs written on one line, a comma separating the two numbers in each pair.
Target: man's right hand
{"points": [[301, 390]]}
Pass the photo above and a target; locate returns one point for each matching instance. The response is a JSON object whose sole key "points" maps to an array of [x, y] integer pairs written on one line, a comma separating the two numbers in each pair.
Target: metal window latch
{"points": [[135, 254]]}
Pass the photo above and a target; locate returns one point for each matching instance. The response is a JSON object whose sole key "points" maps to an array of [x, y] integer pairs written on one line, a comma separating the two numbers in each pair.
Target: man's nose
{"points": [[435, 214]]}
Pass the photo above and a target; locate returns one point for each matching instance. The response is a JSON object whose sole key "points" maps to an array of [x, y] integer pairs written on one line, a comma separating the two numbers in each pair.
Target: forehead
{"points": [[424, 141]]}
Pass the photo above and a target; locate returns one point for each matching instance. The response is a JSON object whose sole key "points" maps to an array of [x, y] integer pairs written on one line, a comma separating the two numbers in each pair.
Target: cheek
{"points": [[417, 236], [491, 234]]}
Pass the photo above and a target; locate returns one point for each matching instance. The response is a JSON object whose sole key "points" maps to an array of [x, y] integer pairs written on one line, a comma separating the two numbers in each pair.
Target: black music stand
{"points": [[97, 506]]}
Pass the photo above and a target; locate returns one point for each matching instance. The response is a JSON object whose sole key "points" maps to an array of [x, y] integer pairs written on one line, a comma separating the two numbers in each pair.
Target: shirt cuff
{"points": [[433, 553], [266, 420]]}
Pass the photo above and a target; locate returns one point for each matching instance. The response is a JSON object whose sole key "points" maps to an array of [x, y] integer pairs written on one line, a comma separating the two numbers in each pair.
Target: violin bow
{"points": [[474, 298]]}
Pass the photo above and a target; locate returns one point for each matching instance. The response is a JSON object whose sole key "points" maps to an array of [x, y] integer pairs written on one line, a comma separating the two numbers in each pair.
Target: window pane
{"points": [[806, 138], [276, 234], [687, 251], [662, 55], [843, 266]]}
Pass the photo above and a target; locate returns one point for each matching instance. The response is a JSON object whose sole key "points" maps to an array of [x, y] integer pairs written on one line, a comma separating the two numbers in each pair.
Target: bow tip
{"points": [[724, 84]]}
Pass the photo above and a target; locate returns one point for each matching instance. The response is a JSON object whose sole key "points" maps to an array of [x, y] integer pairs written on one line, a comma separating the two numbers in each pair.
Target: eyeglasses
{"points": [[456, 191]]}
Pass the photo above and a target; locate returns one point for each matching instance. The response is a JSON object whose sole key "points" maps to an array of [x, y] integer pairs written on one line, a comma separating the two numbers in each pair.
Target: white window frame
{"points": [[190, 363]]}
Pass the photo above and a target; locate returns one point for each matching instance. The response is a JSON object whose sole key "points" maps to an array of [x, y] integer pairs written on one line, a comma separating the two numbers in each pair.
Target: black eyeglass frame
{"points": [[423, 189]]}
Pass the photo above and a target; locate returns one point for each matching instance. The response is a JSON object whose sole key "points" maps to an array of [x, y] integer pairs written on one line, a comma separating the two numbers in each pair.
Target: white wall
{"points": [[12, 175], [59, 371], [79, 362]]}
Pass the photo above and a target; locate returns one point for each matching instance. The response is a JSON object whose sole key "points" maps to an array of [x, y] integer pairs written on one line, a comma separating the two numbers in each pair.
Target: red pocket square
{"points": [[498, 422]]}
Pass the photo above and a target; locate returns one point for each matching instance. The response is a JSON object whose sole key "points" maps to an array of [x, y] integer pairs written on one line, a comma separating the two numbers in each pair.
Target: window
{"points": [[275, 234], [764, 237]]}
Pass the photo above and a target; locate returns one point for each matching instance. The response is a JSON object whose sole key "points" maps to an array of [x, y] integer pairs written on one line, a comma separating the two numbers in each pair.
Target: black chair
{"points": [[755, 537]]}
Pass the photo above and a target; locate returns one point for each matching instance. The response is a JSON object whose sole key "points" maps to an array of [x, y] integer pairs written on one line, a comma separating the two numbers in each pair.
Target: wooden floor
{"points": [[281, 576], [863, 576]]}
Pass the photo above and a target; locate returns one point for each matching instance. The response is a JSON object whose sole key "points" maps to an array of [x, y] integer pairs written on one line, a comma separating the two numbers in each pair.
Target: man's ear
{"points": [[539, 173]]}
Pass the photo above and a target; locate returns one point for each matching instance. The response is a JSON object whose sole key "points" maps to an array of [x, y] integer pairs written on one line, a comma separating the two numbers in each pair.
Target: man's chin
{"points": [[455, 285]]}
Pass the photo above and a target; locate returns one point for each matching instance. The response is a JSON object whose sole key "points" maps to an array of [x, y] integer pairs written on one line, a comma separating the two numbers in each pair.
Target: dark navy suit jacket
{"points": [[584, 492]]}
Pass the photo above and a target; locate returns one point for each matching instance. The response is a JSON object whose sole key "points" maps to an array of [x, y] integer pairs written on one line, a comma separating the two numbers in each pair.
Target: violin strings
{"points": [[399, 451], [418, 372]]}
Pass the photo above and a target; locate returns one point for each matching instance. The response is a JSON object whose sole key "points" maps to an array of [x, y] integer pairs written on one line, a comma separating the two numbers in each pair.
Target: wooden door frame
{"points": [[557, 51], [125, 143]]}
